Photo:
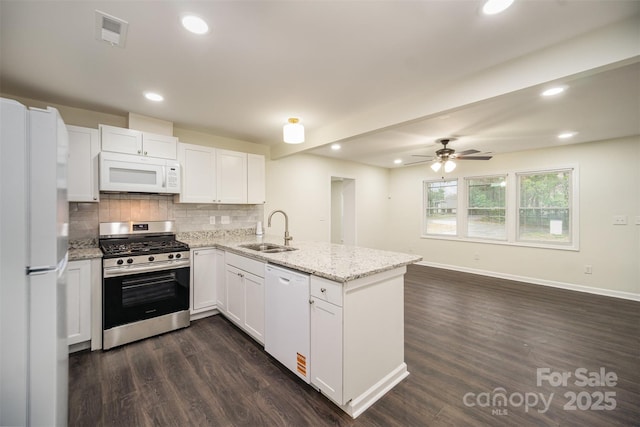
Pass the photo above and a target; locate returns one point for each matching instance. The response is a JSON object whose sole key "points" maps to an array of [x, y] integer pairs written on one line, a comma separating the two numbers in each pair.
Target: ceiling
{"points": [[367, 68]]}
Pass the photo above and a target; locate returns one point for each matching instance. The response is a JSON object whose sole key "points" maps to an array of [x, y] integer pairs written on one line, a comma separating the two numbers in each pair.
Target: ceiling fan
{"points": [[445, 156]]}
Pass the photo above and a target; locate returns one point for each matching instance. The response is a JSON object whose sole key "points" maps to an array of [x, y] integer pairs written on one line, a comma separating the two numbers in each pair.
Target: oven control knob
{"points": [[170, 256], [120, 262], [178, 255], [151, 258], [130, 261]]}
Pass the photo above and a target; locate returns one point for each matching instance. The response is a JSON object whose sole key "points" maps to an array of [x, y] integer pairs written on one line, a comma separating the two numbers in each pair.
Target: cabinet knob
{"points": [[145, 153], [139, 151], [323, 290], [311, 301], [95, 198]]}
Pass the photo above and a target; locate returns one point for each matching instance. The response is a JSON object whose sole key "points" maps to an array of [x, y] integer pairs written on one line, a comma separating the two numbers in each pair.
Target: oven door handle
{"points": [[135, 269]]}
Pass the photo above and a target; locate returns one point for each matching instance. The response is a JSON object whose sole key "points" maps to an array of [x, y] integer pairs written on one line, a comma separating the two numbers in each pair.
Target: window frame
{"points": [[425, 206], [466, 181], [512, 206]]}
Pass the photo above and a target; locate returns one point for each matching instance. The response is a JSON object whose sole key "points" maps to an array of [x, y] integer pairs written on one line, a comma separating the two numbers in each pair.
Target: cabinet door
{"points": [[162, 146], [235, 294], [84, 147], [231, 174], [120, 140], [221, 287], [326, 349], [203, 286], [78, 302], [255, 179], [198, 174], [254, 306]]}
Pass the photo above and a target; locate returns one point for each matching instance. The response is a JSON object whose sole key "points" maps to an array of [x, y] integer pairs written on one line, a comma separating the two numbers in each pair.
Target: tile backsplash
{"points": [[84, 218]]}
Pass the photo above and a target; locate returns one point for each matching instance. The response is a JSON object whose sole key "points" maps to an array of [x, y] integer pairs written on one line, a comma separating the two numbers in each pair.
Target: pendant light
{"points": [[293, 131]]}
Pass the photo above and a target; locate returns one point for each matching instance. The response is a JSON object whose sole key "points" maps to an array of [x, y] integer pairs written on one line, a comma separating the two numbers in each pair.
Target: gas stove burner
{"points": [[125, 247]]}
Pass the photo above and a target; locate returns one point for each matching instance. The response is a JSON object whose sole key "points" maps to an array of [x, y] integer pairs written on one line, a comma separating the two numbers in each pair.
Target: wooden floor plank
{"points": [[463, 334]]}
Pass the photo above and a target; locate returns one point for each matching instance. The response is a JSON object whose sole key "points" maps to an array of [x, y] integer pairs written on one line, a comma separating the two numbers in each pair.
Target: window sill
{"points": [[540, 245]]}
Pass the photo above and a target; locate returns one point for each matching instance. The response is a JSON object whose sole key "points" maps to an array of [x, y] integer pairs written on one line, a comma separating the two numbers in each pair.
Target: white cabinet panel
{"points": [[78, 302], [121, 140], [245, 294], [235, 295], [84, 148], [231, 170], [162, 146], [254, 306], [130, 141], [326, 349], [198, 174], [203, 286], [221, 286], [255, 179]]}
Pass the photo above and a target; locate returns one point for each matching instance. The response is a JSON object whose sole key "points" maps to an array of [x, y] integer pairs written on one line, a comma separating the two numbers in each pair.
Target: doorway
{"points": [[343, 210]]}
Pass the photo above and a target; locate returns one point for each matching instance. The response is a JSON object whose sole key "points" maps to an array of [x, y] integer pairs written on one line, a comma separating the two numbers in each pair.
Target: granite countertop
{"points": [[339, 263], [84, 249]]}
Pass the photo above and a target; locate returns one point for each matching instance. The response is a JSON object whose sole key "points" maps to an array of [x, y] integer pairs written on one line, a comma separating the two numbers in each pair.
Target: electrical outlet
{"points": [[225, 219], [588, 269], [619, 220], [212, 220], [638, 220]]}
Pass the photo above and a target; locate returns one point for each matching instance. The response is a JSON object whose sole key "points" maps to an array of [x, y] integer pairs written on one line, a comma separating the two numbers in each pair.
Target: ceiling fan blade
{"points": [[415, 163], [466, 152], [421, 155], [475, 158]]}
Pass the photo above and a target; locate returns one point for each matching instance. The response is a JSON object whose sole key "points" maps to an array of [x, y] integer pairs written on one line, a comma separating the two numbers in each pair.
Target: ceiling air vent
{"points": [[111, 29]]}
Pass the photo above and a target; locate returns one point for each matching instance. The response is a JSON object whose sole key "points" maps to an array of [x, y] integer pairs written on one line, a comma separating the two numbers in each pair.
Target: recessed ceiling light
{"points": [[492, 7], [152, 96], [554, 91], [567, 135], [335, 147], [195, 24], [397, 161]]}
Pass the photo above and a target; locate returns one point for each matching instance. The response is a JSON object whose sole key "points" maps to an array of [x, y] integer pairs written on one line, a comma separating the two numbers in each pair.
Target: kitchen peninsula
{"points": [[356, 301]]}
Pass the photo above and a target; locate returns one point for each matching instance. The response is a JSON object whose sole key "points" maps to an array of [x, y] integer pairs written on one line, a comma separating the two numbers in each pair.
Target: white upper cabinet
{"points": [[84, 147], [198, 174], [129, 141], [211, 175], [255, 179], [231, 170]]}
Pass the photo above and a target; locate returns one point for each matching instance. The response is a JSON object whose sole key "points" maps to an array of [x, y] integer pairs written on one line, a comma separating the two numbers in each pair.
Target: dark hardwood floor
{"points": [[465, 337]]}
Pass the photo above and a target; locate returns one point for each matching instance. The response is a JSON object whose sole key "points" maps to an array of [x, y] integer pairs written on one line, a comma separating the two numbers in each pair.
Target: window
{"points": [[441, 206], [544, 206], [486, 207]]}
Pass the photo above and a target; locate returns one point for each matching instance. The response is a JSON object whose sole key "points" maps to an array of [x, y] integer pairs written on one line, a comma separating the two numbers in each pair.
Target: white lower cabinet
{"points": [[326, 348], [78, 302], [244, 279], [207, 266]]}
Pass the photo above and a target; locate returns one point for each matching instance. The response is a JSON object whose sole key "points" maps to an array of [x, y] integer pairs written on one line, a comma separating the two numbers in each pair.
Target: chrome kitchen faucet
{"points": [[287, 237]]}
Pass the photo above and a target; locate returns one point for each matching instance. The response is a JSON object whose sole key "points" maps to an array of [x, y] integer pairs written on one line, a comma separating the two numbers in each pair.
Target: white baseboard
{"points": [[360, 403], [535, 281]]}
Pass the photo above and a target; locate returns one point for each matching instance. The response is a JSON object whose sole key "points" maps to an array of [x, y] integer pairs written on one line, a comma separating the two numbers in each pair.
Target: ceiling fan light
{"points": [[293, 132], [493, 7], [436, 166], [449, 166]]}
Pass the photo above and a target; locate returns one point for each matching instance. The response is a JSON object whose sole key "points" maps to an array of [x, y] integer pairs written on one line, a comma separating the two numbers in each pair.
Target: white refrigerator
{"points": [[33, 253]]}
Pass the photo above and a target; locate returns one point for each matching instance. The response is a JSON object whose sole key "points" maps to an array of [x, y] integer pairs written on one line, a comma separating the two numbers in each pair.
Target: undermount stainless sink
{"points": [[269, 248]]}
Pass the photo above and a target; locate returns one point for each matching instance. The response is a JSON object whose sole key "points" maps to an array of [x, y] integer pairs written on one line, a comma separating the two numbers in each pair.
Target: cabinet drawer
{"points": [[326, 290], [243, 263]]}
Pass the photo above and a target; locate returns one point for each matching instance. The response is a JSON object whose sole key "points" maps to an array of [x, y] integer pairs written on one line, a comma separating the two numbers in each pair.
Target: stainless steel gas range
{"points": [[145, 285]]}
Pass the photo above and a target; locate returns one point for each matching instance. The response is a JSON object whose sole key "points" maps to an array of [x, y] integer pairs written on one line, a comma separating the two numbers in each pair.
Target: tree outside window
{"points": [[544, 207]]}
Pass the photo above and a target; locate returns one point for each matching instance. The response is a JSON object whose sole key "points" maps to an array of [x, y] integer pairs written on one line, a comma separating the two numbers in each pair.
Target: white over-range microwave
{"points": [[136, 174]]}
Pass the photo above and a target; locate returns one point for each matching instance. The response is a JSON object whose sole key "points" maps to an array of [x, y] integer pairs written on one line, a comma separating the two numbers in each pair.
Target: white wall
{"points": [[609, 173], [301, 186]]}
